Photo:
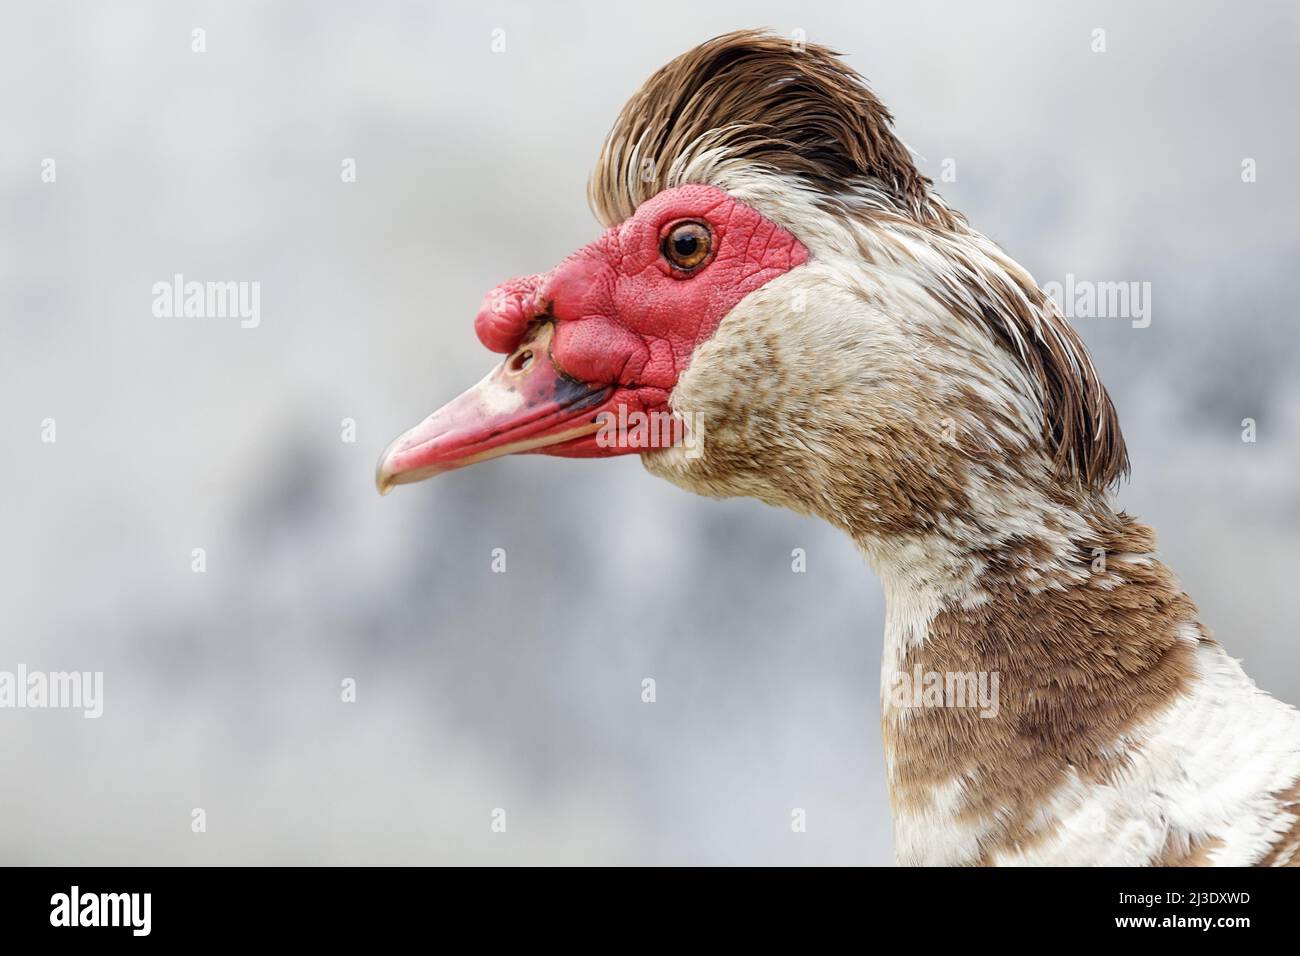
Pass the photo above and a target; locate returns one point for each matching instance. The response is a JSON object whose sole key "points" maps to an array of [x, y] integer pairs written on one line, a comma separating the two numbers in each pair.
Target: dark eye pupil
{"points": [[686, 246]]}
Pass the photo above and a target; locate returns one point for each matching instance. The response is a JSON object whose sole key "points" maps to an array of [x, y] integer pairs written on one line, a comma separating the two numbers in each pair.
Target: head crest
{"points": [[756, 99], [753, 101]]}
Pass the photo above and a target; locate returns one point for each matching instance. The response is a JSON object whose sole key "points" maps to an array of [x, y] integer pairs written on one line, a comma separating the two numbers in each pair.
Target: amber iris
{"points": [[687, 244]]}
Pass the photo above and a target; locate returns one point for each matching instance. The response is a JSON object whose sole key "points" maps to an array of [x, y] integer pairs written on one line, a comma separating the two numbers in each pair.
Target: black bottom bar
{"points": [[372, 905]]}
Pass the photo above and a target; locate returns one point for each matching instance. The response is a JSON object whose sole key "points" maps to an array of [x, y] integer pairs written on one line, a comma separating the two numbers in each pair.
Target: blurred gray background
{"points": [[522, 690]]}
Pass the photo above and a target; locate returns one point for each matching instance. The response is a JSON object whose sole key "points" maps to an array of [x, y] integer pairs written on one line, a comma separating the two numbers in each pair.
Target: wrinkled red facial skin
{"points": [[624, 316]]}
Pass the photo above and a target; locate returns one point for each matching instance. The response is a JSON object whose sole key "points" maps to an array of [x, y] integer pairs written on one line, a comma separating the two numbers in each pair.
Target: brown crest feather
{"points": [[801, 112]]}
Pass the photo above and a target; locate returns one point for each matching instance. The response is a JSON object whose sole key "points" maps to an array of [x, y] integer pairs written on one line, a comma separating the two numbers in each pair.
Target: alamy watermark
{"points": [[129, 910], [58, 690], [1086, 299], [178, 299], [659, 429], [963, 689]]}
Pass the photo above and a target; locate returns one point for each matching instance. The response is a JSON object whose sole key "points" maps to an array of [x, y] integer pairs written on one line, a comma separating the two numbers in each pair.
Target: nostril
{"points": [[520, 360]]}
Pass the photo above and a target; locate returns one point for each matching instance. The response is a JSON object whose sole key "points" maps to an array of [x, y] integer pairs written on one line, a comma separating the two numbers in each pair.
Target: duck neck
{"points": [[1014, 665]]}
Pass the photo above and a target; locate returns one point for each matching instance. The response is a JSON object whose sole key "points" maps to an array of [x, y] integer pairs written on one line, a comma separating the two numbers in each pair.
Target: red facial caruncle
{"points": [[610, 328]]}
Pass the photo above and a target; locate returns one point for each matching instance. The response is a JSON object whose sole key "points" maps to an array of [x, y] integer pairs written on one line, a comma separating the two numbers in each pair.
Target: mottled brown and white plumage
{"points": [[914, 386], [858, 352]]}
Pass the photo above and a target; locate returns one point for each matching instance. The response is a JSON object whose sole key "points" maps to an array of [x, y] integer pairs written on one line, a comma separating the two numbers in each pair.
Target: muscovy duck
{"points": [[778, 275]]}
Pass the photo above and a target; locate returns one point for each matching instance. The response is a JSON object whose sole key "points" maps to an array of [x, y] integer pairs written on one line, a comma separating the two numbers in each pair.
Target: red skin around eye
{"points": [[624, 316]]}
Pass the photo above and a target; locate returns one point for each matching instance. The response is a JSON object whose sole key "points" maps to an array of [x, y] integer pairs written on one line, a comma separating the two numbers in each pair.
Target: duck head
{"points": [[779, 279]]}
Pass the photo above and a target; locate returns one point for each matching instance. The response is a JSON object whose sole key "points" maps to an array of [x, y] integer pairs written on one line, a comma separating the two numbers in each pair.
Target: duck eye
{"points": [[686, 245]]}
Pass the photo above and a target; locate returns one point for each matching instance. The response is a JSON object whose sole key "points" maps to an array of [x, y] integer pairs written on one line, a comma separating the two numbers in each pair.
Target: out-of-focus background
{"points": [[522, 690]]}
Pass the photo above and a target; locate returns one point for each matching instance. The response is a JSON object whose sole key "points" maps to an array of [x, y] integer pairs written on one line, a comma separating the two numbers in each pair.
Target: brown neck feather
{"points": [[1081, 660]]}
